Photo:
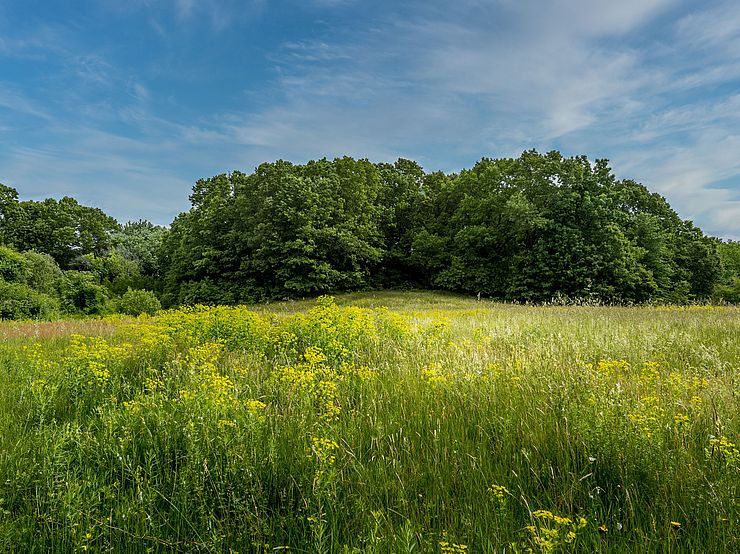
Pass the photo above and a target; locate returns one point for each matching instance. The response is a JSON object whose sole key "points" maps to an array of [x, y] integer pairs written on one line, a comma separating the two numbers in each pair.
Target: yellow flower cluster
{"points": [[680, 420], [153, 384], [393, 324], [38, 357], [363, 373], [722, 448], [254, 407], [648, 415], [133, 407], [315, 379], [613, 368], [551, 531], [438, 330], [338, 332], [324, 450], [435, 375], [146, 338], [314, 356], [42, 390], [235, 326], [446, 547], [499, 492], [89, 358], [209, 387], [656, 397]]}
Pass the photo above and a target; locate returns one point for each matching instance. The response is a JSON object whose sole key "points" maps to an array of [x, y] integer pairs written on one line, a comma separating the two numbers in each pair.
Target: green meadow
{"points": [[388, 422]]}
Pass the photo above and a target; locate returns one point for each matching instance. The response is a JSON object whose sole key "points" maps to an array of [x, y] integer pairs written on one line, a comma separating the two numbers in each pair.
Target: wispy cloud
{"points": [[650, 84], [436, 78], [219, 13], [309, 51], [13, 100], [491, 79], [330, 3], [126, 178], [711, 28]]}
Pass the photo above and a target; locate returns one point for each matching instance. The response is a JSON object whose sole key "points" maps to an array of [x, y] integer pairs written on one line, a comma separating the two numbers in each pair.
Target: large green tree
{"points": [[284, 230], [64, 229], [530, 228]]}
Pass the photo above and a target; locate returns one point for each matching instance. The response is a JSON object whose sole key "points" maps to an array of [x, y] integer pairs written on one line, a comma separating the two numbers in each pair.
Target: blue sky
{"points": [[124, 105]]}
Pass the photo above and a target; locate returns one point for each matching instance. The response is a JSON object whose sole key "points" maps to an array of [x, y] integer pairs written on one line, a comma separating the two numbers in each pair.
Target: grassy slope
{"points": [[443, 425]]}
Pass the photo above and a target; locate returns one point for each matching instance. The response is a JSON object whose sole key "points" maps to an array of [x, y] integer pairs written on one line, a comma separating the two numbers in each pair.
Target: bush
{"points": [[137, 302], [80, 293], [19, 301], [13, 266], [729, 292], [43, 272]]}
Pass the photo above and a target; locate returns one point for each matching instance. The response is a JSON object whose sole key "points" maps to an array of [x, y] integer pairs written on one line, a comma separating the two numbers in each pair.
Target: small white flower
{"points": [[591, 459]]}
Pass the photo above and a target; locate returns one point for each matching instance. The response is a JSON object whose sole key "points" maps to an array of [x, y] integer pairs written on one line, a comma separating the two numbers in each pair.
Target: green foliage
{"points": [[137, 302], [532, 228], [9, 208], [43, 273], [729, 288], [729, 291], [13, 266], [28, 284], [62, 228], [81, 293], [440, 424], [729, 253], [19, 301], [140, 242], [283, 231]]}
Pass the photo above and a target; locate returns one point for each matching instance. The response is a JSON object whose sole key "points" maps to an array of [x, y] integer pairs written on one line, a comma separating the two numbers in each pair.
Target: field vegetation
{"points": [[394, 422]]}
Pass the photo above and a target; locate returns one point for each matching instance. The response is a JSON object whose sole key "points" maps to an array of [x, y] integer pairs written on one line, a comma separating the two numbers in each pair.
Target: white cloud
{"points": [[12, 99], [648, 83], [184, 8], [331, 3], [538, 74], [712, 28], [219, 13], [309, 51], [124, 177], [467, 74], [688, 173]]}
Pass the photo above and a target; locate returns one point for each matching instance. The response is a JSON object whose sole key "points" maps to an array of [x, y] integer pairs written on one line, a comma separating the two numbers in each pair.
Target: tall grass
{"points": [[437, 424]]}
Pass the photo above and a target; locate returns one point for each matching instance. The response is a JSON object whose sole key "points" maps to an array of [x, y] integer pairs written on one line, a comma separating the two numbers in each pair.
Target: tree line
{"points": [[59, 257], [527, 229]]}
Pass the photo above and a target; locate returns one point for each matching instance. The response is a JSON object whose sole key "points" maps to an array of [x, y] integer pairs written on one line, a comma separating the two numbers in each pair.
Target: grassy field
{"points": [[393, 422]]}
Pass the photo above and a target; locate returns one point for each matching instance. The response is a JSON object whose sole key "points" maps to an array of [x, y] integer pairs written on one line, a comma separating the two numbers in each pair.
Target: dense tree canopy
{"points": [[60, 256], [527, 229], [284, 230], [64, 229]]}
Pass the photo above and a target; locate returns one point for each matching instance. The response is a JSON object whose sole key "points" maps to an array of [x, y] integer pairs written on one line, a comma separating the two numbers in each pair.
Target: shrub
{"points": [[729, 292], [19, 301], [137, 302], [80, 293], [13, 266], [43, 272]]}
